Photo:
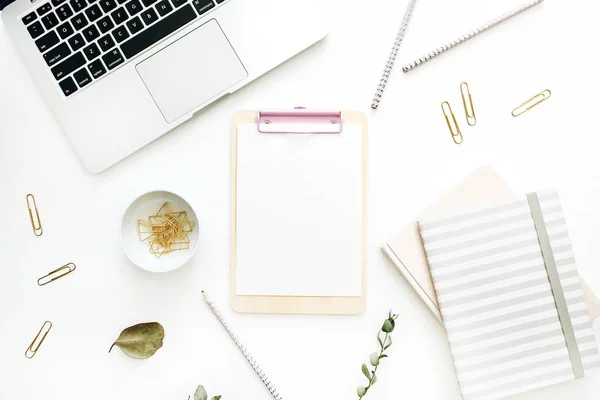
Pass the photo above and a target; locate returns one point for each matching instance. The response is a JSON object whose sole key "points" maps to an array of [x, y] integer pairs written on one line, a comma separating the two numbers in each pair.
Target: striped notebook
{"points": [[510, 297]]}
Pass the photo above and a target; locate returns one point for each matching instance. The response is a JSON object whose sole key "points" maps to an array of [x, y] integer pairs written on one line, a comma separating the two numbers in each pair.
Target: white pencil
{"points": [[245, 351], [389, 65], [450, 45]]}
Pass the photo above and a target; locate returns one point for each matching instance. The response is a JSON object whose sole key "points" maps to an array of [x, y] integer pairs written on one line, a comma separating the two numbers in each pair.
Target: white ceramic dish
{"points": [[137, 251]]}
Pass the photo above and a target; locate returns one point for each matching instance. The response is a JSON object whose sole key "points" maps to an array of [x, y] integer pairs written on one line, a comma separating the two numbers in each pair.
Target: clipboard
{"points": [[299, 121]]}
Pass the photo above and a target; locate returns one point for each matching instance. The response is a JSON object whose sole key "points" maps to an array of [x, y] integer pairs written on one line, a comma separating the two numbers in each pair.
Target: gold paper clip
{"points": [[532, 102], [456, 133], [469, 109], [56, 274], [36, 224], [31, 350]]}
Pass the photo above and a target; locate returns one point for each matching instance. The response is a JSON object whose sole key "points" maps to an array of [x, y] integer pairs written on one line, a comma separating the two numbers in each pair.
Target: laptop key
{"points": [[47, 41], [91, 33], [57, 54], [149, 16], [44, 9], [105, 24], [69, 65], [93, 13], [76, 42], [120, 15], [35, 30], [82, 77], [120, 34], [78, 5], [113, 59], [160, 30], [106, 43], [65, 30], [203, 6], [97, 69], [134, 7], [50, 21], [79, 21], [68, 86], [108, 5], [164, 7], [57, 3], [92, 51], [148, 3], [29, 18], [135, 25], [64, 12]]}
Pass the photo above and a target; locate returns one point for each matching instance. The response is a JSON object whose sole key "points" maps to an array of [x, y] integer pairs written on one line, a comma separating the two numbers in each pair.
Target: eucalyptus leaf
{"points": [[141, 341], [216, 398], [387, 326], [374, 359], [389, 343], [200, 393], [361, 391], [366, 372]]}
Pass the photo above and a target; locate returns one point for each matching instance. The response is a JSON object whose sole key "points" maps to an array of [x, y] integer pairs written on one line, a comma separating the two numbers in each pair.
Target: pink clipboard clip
{"points": [[299, 120]]}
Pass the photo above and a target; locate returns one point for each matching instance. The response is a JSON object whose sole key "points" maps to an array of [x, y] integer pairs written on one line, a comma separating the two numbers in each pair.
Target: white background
{"points": [[412, 162]]}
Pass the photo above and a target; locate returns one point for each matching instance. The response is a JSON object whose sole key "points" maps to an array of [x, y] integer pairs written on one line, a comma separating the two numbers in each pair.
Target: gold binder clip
{"points": [[532, 102], [36, 224], [455, 131], [56, 274], [35, 345], [469, 109]]}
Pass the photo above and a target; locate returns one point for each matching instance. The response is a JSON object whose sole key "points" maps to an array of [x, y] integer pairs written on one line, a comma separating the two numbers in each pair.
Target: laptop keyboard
{"points": [[84, 40]]}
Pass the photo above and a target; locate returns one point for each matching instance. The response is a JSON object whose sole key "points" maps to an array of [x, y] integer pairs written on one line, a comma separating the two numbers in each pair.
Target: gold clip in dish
{"points": [[455, 131], [37, 342], [532, 102], [56, 274], [34, 215], [469, 109]]}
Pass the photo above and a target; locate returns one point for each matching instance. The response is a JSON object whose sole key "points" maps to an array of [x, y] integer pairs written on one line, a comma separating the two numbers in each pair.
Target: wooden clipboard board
{"points": [[294, 304]]}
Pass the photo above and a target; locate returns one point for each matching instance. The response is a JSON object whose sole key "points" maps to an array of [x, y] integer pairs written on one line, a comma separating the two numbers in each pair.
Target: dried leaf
{"points": [[141, 340], [200, 393], [365, 371]]}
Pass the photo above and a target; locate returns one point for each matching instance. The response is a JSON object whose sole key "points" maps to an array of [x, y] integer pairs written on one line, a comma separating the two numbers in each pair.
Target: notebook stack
{"points": [[510, 297]]}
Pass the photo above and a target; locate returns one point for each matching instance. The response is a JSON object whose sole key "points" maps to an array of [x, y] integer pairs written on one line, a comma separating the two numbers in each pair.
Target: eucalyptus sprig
{"points": [[200, 394], [388, 327]]}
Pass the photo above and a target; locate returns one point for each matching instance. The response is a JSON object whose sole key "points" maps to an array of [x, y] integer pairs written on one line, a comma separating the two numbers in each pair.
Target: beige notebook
{"points": [[405, 249]]}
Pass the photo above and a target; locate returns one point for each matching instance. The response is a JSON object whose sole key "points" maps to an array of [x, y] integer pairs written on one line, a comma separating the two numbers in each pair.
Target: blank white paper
{"points": [[299, 213]]}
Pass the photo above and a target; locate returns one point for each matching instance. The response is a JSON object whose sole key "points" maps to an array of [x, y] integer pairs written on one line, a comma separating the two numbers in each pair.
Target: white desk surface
{"points": [[412, 162]]}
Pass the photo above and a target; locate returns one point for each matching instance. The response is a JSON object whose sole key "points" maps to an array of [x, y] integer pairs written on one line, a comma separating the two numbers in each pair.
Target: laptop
{"points": [[118, 74]]}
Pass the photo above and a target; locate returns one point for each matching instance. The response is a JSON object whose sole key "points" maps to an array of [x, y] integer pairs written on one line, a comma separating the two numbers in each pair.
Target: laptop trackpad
{"points": [[191, 71]]}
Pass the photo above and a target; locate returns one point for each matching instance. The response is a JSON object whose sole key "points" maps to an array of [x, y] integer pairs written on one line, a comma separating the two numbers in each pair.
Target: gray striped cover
{"points": [[502, 322]]}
